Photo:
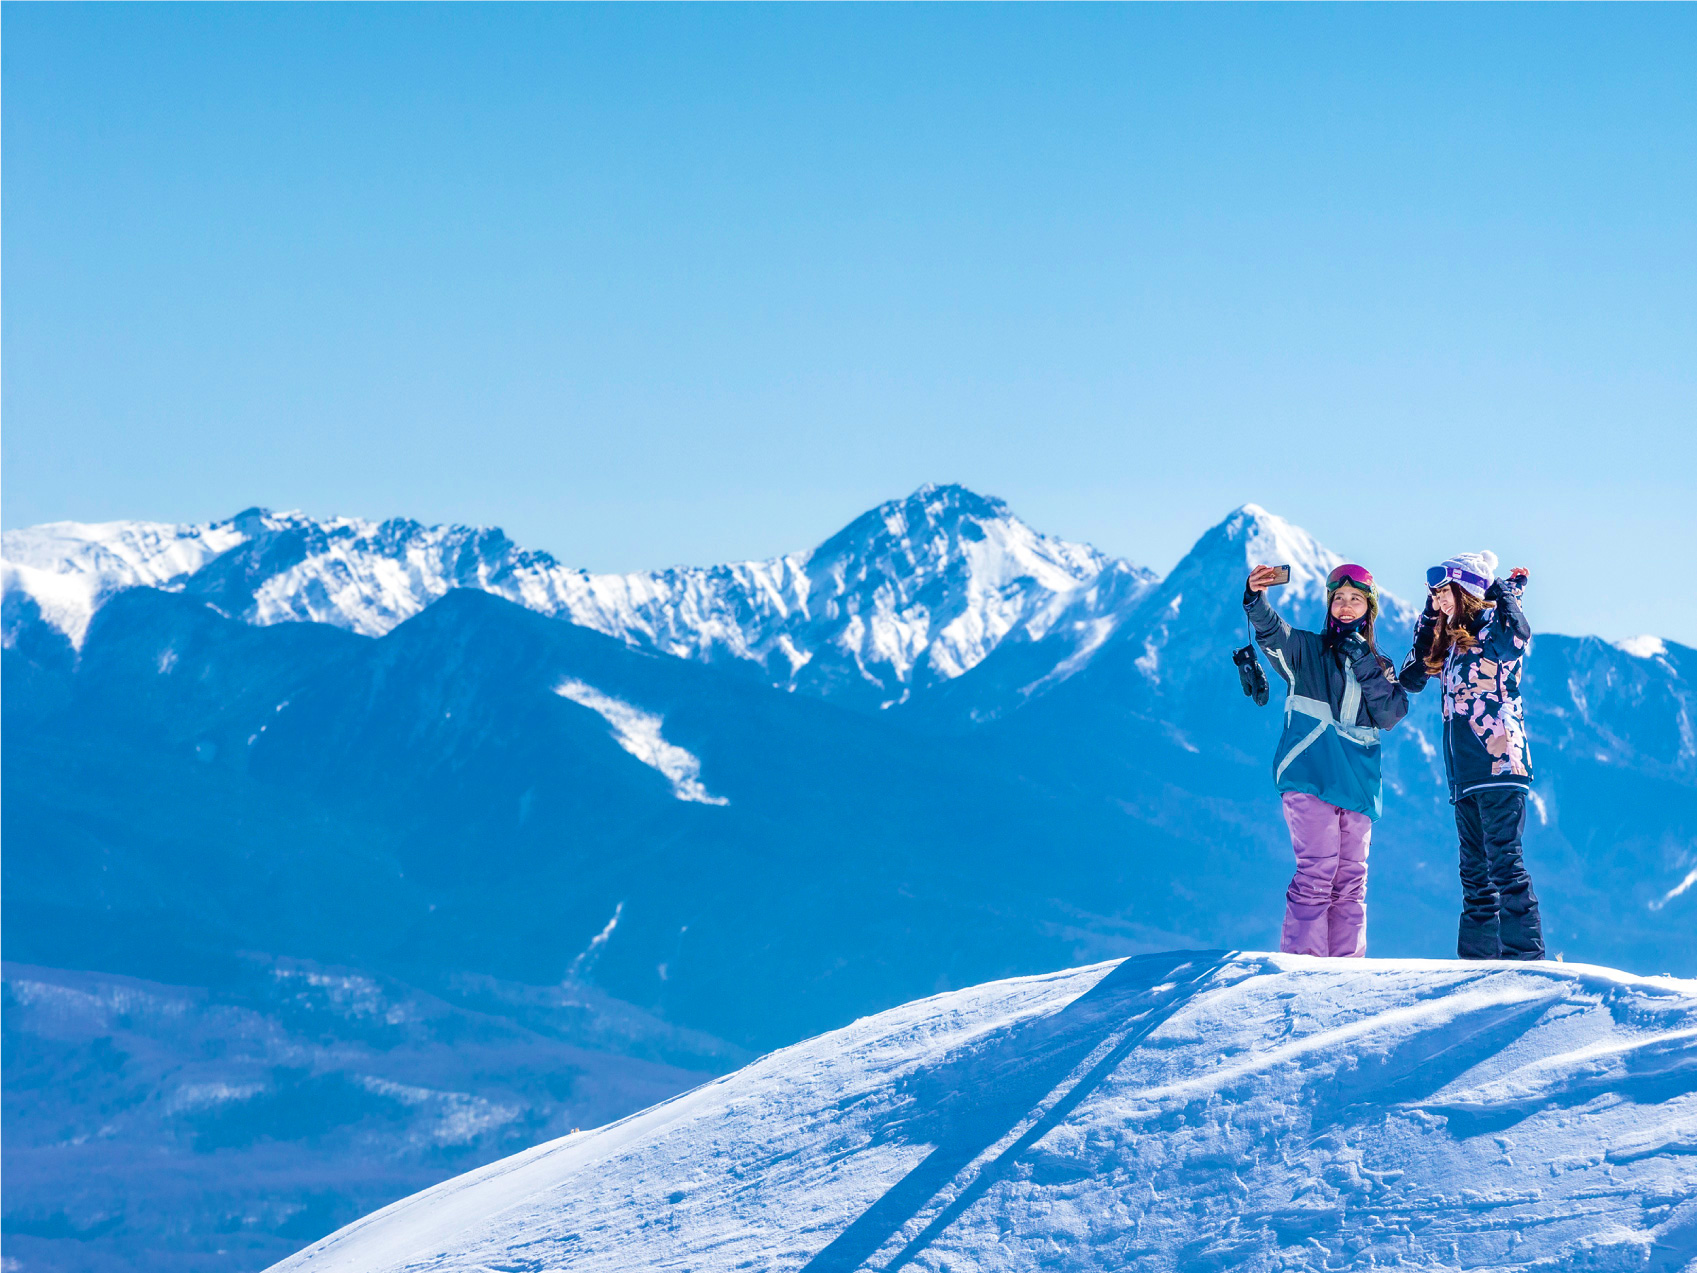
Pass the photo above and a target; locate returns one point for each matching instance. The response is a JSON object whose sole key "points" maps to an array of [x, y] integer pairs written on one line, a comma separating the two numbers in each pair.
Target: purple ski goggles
{"points": [[1349, 573], [1439, 575]]}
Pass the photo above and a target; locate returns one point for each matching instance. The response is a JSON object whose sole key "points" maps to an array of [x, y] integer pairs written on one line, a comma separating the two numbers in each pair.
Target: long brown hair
{"points": [[1457, 632]]}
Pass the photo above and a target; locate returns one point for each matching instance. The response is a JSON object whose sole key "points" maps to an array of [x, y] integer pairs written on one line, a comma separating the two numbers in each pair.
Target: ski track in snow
{"points": [[1170, 1112]]}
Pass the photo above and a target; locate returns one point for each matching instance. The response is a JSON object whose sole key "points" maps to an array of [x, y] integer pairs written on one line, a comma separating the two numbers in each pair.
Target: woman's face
{"points": [[1443, 596], [1348, 604]]}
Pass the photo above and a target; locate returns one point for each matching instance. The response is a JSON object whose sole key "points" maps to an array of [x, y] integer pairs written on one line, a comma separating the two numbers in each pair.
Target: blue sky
{"points": [[647, 285]]}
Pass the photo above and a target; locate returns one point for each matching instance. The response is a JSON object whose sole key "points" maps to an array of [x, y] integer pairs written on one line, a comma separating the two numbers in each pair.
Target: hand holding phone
{"points": [[1263, 577]]}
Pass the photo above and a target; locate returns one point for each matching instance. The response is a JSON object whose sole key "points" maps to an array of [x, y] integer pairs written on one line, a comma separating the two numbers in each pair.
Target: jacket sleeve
{"points": [[1414, 675], [1382, 695], [1509, 632], [1272, 633]]}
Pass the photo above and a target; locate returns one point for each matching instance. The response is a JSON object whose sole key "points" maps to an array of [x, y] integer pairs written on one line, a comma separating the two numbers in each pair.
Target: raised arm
{"points": [[1272, 633], [1509, 632], [1414, 675]]}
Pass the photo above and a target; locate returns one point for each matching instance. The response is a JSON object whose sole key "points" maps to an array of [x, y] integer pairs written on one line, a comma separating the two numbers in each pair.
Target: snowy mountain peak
{"points": [[928, 586], [935, 529], [914, 592], [1258, 536], [1251, 536], [1179, 630]]}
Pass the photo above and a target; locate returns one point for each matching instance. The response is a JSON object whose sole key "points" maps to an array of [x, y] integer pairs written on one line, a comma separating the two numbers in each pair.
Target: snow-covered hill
{"points": [[1170, 1112], [913, 591]]}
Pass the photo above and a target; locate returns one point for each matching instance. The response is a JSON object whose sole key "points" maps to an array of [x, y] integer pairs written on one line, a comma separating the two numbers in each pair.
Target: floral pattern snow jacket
{"points": [[1484, 723], [1335, 710]]}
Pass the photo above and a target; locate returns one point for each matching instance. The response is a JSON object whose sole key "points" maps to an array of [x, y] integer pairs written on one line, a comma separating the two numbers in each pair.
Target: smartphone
{"points": [[1281, 574]]}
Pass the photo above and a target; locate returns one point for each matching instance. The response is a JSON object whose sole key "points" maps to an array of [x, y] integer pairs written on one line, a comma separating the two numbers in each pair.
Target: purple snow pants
{"points": [[1326, 905]]}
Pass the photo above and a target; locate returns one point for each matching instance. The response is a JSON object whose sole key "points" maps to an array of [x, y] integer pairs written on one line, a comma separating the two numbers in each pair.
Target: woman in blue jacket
{"points": [[1473, 637], [1341, 694]]}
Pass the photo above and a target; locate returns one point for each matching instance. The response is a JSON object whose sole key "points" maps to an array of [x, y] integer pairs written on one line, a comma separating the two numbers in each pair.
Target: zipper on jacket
{"points": [[1449, 724]]}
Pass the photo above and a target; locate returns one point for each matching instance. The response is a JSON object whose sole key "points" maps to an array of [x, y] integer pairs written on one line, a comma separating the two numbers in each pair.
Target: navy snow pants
{"points": [[1499, 911]]}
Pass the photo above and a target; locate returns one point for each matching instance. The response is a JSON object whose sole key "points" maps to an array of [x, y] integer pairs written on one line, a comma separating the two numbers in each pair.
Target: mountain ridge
{"points": [[908, 597], [912, 592]]}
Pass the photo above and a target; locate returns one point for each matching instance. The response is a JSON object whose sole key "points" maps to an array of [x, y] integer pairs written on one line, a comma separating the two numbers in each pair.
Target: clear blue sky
{"points": [[647, 285]]}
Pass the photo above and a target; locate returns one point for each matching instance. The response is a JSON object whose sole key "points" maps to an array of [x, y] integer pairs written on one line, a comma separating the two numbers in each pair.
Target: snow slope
{"points": [[68, 569], [1181, 1111]]}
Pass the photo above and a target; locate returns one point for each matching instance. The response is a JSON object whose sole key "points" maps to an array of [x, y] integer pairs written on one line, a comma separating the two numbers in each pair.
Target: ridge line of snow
{"points": [[368, 576]]}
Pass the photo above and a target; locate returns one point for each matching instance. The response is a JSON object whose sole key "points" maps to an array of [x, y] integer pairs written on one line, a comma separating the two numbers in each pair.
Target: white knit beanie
{"points": [[1472, 572]]}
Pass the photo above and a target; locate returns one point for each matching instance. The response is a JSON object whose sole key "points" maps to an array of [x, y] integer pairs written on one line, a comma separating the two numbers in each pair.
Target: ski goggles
{"points": [[1357, 576], [1437, 576]]}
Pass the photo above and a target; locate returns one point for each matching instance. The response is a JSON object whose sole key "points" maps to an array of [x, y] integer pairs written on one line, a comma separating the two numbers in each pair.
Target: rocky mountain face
{"points": [[747, 803]]}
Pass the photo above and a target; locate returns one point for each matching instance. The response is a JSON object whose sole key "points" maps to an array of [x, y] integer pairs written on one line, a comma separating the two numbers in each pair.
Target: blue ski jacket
{"points": [[1335, 710]]}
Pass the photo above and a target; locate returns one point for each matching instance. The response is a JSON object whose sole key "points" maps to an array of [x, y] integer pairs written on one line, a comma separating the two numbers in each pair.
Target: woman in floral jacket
{"points": [[1473, 637]]}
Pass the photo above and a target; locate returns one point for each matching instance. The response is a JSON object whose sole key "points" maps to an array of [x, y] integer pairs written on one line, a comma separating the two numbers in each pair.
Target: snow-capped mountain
{"points": [[67, 570], [1172, 636], [1165, 666], [1161, 645], [910, 596], [1171, 1112], [1080, 683], [913, 592]]}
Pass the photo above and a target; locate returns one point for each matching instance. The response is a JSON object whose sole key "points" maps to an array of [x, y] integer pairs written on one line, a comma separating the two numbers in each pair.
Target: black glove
{"points": [[1354, 646], [1250, 673], [1425, 631], [1511, 585]]}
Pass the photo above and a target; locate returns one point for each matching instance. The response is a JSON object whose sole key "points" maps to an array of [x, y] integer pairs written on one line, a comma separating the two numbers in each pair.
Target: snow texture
{"points": [[69, 568], [1183, 1111], [638, 732]]}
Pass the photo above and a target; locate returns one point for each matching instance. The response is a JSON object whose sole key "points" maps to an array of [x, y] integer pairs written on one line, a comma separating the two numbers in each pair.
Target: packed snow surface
{"points": [[1181, 1111]]}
